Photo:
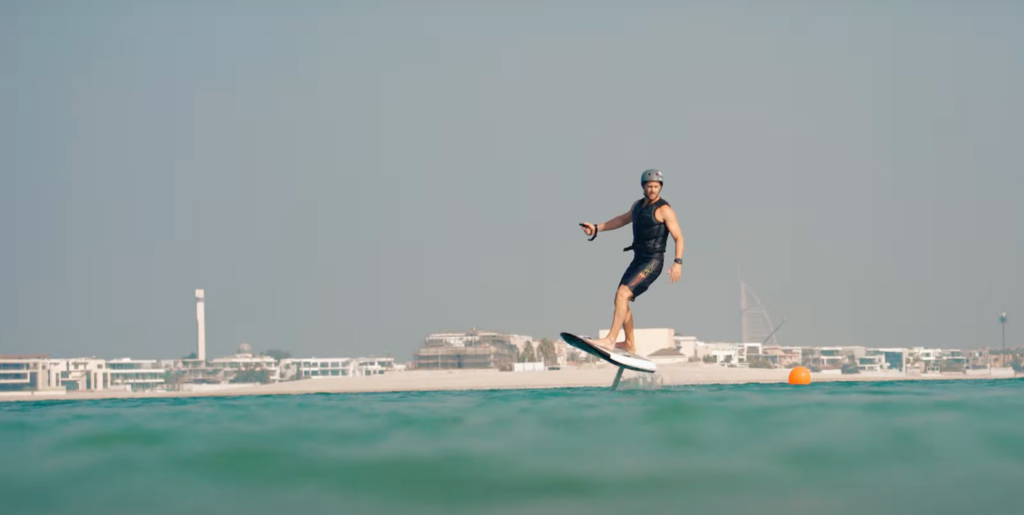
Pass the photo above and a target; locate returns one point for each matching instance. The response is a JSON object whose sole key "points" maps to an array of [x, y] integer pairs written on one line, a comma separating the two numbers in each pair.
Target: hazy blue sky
{"points": [[344, 178]]}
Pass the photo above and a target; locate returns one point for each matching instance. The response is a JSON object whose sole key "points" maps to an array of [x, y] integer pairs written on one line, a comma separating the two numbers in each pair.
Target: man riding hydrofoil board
{"points": [[653, 220]]}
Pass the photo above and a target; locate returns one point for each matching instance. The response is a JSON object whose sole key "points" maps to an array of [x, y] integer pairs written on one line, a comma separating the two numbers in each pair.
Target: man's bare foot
{"points": [[626, 347], [604, 343]]}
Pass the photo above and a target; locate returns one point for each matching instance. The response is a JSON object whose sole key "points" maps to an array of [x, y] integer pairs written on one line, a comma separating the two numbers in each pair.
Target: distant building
{"points": [[833, 357], [778, 356], [135, 374], [934, 361], [473, 349], [666, 356], [755, 324], [872, 361], [80, 374], [746, 352], [489, 355], [184, 371], [954, 359], [24, 373], [310, 368], [830, 357], [686, 345], [374, 366], [243, 360], [40, 374], [884, 360], [718, 352], [449, 339]]}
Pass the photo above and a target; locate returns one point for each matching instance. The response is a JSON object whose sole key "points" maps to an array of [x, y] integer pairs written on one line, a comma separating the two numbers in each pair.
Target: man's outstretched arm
{"points": [[619, 221], [610, 225]]}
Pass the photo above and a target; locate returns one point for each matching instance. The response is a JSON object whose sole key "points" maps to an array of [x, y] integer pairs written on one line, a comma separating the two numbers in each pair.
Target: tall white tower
{"points": [[201, 324]]}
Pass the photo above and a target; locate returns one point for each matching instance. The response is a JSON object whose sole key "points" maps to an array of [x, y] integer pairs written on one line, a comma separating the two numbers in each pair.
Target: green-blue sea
{"points": [[827, 448]]}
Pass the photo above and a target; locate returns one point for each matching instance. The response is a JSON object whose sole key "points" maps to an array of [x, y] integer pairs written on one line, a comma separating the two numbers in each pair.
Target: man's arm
{"points": [[618, 221], [673, 228]]}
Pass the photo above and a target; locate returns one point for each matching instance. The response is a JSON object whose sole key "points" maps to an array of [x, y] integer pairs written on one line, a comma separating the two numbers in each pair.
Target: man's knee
{"points": [[623, 294]]}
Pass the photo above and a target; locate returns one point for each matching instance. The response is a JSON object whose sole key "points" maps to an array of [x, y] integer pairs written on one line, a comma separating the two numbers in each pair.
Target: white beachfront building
{"points": [[746, 352], [309, 368], [872, 361], [727, 353], [79, 373], [884, 359], [374, 366], [42, 374], [134, 374], [779, 357], [955, 356], [829, 357], [722, 353], [686, 345], [931, 360], [230, 366], [24, 374]]}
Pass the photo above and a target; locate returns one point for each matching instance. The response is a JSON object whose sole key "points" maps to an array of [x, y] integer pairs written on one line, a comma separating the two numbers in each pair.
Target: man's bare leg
{"points": [[622, 296], [630, 344]]}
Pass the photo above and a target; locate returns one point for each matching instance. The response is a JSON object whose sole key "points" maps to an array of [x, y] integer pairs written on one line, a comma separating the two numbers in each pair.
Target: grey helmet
{"points": [[651, 175]]}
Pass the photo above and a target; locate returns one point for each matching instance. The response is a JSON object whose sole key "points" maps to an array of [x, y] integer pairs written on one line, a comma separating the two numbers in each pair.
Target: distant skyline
{"points": [[345, 178]]}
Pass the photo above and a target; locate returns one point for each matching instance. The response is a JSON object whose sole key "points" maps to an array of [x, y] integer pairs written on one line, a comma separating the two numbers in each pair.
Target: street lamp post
{"points": [[1002, 322]]}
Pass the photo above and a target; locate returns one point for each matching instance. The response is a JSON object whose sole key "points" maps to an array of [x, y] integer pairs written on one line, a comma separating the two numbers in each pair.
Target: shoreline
{"points": [[591, 376]]}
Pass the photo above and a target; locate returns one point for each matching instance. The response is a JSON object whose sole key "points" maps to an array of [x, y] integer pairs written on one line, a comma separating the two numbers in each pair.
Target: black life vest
{"points": [[649, 235]]}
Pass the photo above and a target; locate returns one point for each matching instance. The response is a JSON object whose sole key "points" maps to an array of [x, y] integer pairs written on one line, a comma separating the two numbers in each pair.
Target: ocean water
{"points": [[829, 448]]}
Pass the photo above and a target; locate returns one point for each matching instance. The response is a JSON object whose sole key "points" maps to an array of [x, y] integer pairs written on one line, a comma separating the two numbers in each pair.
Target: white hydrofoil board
{"points": [[616, 356]]}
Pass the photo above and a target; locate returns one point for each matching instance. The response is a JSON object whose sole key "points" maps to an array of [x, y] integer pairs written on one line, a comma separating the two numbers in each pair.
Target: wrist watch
{"points": [[679, 260]]}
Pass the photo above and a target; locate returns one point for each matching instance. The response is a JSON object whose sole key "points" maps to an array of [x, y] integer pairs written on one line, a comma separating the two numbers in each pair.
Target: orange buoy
{"points": [[799, 375]]}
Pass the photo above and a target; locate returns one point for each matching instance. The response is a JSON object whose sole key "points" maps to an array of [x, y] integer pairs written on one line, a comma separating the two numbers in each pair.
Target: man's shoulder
{"points": [[663, 208]]}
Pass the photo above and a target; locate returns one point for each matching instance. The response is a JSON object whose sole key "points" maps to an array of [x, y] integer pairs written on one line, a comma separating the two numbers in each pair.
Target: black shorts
{"points": [[641, 273]]}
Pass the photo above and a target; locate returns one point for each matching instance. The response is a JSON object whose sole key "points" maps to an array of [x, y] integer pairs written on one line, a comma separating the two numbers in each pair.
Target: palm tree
{"points": [[547, 351], [528, 355]]}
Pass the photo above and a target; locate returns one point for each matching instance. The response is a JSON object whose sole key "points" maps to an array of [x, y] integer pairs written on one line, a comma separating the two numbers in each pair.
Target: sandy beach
{"points": [[581, 377]]}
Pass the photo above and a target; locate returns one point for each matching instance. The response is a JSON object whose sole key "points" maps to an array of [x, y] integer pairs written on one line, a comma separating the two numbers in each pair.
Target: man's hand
{"points": [[673, 273], [588, 229]]}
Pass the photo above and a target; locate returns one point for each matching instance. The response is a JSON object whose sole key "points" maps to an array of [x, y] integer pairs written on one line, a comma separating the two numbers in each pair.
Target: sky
{"points": [[344, 178]]}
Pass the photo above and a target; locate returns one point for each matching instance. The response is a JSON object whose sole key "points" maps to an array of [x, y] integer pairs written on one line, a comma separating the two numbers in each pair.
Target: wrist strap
{"points": [[593, 235]]}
